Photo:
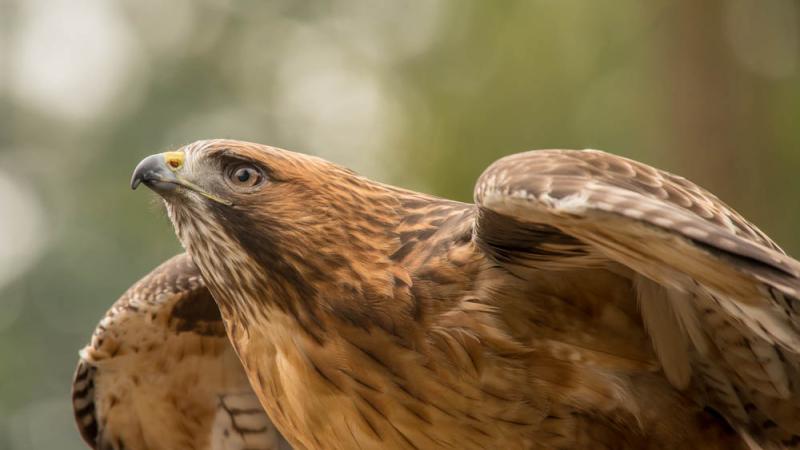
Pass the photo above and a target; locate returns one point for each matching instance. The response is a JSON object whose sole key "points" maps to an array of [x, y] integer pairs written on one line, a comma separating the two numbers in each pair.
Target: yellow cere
{"points": [[174, 159]]}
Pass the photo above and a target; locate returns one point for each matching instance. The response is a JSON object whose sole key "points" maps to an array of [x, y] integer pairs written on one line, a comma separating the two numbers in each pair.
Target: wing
{"points": [[160, 373], [717, 297]]}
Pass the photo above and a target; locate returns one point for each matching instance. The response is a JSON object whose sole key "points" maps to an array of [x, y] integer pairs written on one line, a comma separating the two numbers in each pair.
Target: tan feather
{"points": [[669, 338]]}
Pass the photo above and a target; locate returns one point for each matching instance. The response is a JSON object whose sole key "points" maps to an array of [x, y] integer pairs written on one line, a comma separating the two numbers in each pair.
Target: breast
{"points": [[358, 389]]}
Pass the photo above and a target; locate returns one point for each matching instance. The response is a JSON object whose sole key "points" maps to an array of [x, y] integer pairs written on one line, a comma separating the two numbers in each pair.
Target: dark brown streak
{"points": [[353, 435], [417, 414], [403, 251], [512, 422], [372, 406], [369, 424], [273, 257], [361, 382], [324, 376], [374, 359], [415, 397], [405, 438]]}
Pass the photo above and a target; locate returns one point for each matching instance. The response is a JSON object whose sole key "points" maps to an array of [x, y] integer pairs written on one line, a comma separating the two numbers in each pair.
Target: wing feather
{"points": [[717, 296], [159, 373], [663, 324]]}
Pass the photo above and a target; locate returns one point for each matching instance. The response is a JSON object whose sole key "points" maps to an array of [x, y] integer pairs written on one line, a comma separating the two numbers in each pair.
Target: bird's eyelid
{"points": [[230, 159]]}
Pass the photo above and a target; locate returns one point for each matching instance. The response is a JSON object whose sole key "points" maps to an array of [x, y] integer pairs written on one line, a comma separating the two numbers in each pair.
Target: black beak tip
{"points": [[150, 170]]}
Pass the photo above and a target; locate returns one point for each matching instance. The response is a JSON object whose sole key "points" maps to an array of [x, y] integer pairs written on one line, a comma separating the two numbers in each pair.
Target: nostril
{"points": [[174, 159]]}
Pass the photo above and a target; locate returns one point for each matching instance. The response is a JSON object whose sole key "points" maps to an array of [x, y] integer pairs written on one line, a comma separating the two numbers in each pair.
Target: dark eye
{"points": [[245, 175]]}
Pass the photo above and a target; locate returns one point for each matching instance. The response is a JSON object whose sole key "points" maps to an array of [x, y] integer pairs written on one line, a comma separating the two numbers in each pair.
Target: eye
{"points": [[245, 176]]}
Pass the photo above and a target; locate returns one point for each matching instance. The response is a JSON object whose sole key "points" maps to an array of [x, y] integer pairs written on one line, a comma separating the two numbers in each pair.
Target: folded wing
{"points": [[160, 373]]}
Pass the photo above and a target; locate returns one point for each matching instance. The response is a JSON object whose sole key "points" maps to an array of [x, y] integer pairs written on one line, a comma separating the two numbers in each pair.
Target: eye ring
{"points": [[244, 176]]}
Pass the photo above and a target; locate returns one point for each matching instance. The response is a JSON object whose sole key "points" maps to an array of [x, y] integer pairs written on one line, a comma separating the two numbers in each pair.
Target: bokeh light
{"points": [[72, 61]]}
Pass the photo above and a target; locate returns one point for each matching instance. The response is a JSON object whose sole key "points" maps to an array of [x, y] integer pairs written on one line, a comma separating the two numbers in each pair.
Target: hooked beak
{"points": [[160, 172]]}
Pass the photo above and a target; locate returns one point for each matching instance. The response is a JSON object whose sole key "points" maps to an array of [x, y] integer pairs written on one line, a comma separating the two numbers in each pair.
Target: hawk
{"points": [[583, 301], [160, 374]]}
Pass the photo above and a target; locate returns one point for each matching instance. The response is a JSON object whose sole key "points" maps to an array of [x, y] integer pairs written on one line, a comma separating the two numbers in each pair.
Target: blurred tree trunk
{"points": [[716, 134]]}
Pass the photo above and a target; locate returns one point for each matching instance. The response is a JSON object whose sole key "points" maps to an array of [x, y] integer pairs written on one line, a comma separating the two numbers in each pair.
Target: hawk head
{"points": [[233, 179], [249, 215]]}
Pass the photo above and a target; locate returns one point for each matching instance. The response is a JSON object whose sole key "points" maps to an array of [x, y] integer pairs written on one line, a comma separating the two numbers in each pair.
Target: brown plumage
{"points": [[159, 373], [584, 301]]}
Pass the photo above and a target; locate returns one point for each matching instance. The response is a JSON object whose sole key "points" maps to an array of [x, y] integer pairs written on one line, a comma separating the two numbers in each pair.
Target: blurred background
{"points": [[424, 94]]}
